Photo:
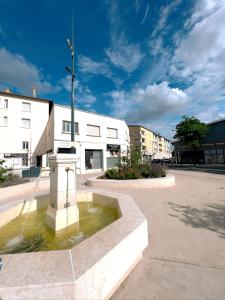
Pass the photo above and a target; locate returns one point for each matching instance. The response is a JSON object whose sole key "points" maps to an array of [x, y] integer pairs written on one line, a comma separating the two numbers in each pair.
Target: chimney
{"points": [[34, 92], [7, 90]]}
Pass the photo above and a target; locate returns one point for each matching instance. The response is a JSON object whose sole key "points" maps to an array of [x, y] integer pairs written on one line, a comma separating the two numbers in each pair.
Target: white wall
{"points": [[12, 136], [83, 141]]}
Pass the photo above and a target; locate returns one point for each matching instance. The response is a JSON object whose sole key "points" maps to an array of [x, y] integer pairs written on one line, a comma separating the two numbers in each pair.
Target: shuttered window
{"points": [[93, 130], [112, 133], [25, 123]]}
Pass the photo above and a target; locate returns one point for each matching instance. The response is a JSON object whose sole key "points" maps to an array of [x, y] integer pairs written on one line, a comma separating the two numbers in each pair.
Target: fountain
{"points": [[98, 248], [62, 210]]}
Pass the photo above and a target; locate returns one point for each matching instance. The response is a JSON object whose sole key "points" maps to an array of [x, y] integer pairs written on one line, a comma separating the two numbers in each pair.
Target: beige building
{"points": [[151, 144]]}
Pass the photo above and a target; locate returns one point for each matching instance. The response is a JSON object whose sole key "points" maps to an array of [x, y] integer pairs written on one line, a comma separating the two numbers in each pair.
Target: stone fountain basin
{"points": [[92, 269]]}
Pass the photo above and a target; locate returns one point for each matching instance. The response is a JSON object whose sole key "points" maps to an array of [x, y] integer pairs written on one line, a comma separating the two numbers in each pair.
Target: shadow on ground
{"points": [[211, 217], [210, 170]]}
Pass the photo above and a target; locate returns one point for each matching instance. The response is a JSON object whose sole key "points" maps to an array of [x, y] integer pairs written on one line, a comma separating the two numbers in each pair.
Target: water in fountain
{"points": [[39, 237]]}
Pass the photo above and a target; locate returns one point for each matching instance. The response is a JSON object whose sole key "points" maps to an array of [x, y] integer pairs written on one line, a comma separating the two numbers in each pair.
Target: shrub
{"points": [[145, 170], [111, 174], [137, 172], [157, 171], [129, 173], [12, 179]]}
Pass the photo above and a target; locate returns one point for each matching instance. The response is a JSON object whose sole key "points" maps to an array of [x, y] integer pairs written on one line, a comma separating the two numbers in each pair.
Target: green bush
{"points": [[157, 171], [111, 174], [12, 179], [139, 171]]}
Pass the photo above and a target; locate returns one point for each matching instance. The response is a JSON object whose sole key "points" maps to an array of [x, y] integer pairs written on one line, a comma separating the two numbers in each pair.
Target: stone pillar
{"points": [[62, 210]]}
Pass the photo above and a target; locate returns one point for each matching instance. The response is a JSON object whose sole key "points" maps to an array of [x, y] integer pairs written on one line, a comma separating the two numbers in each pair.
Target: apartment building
{"points": [[151, 144], [32, 128], [23, 120]]}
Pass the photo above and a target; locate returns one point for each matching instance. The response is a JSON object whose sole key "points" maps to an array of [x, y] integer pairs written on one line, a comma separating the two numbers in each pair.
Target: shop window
{"points": [[93, 130], [93, 159], [25, 161]]}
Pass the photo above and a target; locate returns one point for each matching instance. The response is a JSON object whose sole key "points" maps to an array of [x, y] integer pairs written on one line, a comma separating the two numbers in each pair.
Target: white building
{"points": [[32, 128], [99, 139], [22, 122]]}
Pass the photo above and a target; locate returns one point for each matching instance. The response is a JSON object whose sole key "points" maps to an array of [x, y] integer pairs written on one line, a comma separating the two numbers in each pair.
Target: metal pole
{"points": [[72, 94]]}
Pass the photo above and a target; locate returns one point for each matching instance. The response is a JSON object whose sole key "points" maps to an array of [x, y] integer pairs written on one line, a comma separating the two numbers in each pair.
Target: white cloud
{"points": [[83, 95], [202, 9], [17, 72], [145, 15], [122, 53], [200, 58], [165, 12], [88, 66], [144, 104]]}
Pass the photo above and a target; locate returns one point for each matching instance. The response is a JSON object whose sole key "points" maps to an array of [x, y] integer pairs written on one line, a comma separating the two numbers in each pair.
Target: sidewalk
{"points": [[186, 255]]}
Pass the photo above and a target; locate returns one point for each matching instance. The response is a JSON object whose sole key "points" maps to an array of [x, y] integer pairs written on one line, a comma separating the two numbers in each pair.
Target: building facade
{"points": [[22, 123], [211, 149], [151, 145], [32, 128], [99, 140]]}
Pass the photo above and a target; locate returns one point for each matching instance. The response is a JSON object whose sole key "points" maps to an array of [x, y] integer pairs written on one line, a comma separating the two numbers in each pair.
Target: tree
{"points": [[190, 131]]}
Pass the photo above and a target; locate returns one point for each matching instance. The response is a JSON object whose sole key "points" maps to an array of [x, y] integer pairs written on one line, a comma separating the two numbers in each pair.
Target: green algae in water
{"points": [[29, 233]]}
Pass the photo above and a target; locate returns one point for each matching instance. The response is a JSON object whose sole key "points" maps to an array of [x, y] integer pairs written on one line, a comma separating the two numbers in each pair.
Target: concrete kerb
{"points": [[150, 183], [93, 269]]}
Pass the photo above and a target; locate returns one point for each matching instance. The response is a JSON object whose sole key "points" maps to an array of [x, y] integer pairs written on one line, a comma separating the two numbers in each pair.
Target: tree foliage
{"points": [[190, 131]]}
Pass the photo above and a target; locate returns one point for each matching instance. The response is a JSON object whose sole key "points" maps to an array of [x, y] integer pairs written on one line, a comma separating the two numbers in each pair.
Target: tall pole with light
{"points": [[72, 74]]}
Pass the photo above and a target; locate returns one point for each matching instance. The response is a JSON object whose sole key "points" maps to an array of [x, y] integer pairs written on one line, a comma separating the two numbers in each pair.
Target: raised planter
{"points": [[150, 183], [91, 270]]}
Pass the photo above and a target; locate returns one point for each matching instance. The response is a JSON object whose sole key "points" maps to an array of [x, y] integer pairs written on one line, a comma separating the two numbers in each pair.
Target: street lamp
{"points": [[71, 47]]}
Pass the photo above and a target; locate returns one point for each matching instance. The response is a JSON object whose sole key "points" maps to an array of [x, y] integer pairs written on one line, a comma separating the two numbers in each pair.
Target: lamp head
{"points": [[69, 43]]}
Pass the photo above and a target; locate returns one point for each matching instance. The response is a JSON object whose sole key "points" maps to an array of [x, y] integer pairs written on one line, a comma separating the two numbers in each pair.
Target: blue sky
{"points": [[146, 61]]}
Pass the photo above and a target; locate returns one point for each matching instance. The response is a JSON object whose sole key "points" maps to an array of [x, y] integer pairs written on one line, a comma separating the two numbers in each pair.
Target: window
{"points": [[25, 123], [66, 127], [25, 161], [112, 133], [93, 130], [143, 147], [5, 121], [26, 106], [25, 145], [143, 140], [6, 103], [142, 132], [93, 159]]}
